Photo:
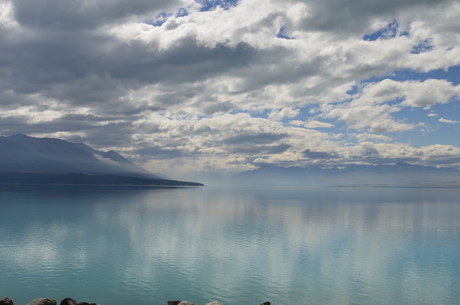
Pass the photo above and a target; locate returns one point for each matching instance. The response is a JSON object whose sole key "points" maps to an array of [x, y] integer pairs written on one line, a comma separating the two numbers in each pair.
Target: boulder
{"points": [[186, 303], [175, 302], [265, 303], [5, 301], [68, 301], [43, 301]]}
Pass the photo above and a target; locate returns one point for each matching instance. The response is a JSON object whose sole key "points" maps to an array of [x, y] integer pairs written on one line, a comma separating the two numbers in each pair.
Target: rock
{"points": [[213, 303], [86, 303], [265, 303], [186, 303], [175, 302], [43, 301], [68, 301], [5, 301]]}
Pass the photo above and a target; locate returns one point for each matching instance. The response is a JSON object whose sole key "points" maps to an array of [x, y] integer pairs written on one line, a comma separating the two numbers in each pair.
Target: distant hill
{"points": [[87, 179], [25, 159], [398, 175]]}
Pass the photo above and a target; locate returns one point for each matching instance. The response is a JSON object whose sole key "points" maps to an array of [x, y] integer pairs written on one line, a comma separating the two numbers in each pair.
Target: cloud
{"points": [[375, 118], [448, 121], [318, 124], [319, 154], [377, 137], [373, 106], [81, 15], [278, 115], [261, 138], [203, 83], [412, 93]]}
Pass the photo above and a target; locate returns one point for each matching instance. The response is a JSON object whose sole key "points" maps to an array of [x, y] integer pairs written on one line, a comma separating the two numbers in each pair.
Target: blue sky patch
{"points": [[424, 46], [452, 75], [388, 32], [162, 17], [209, 5], [282, 34]]}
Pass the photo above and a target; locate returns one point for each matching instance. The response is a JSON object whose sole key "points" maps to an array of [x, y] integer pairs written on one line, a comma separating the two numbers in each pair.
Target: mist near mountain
{"points": [[398, 175], [30, 160], [21, 153]]}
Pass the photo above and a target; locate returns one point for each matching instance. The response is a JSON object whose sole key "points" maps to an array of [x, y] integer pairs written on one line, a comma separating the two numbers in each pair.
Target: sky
{"points": [[227, 86]]}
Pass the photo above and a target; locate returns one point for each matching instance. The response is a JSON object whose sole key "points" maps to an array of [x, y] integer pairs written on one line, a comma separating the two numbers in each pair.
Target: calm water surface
{"points": [[232, 245]]}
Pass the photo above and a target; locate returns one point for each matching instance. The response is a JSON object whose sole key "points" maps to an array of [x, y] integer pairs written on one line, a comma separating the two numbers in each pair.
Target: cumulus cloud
{"points": [[443, 120], [373, 106], [377, 137], [318, 124], [374, 118], [412, 93], [278, 115], [201, 84]]}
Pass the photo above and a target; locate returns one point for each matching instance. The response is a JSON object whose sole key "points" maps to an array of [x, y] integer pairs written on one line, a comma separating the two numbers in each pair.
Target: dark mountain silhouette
{"points": [[25, 159], [400, 174]]}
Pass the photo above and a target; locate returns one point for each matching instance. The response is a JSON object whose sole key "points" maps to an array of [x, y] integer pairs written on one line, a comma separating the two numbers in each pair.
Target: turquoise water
{"points": [[232, 245]]}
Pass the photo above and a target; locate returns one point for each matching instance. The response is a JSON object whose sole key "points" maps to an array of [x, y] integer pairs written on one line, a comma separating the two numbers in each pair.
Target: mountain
{"points": [[25, 159], [398, 175]]}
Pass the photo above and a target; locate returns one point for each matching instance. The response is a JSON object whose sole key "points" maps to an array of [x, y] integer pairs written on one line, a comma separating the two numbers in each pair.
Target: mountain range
{"points": [[397, 175], [25, 159]]}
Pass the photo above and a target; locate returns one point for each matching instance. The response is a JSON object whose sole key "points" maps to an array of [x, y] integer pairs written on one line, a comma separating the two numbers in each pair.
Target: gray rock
{"points": [[175, 302], [265, 303], [213, 303], [186, 303], [68, 301], [5, 301], [43, 301]]}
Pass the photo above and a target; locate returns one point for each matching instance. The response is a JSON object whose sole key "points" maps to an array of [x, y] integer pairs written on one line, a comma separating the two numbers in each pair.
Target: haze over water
{"points": [[232, 245]]}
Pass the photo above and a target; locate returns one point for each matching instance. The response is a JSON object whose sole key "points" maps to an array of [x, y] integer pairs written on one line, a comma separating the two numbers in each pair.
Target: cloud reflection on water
{"points": [[328, 246]]}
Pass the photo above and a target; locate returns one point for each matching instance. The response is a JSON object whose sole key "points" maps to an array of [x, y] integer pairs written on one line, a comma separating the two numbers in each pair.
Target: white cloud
{"points": [[375, 118], [448, 121], [280, 114], [412, 93], [7, 15], [318, 124], [367, 136]]}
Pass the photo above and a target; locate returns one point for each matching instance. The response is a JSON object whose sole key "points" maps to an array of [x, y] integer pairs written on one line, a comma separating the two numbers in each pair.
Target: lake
{"points": [[128, 245]]}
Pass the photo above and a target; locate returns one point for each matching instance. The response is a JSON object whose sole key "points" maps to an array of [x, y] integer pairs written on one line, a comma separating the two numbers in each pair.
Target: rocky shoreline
{"points": [[69, 301]]}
